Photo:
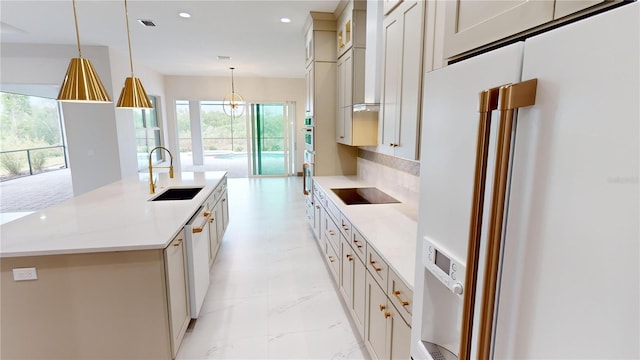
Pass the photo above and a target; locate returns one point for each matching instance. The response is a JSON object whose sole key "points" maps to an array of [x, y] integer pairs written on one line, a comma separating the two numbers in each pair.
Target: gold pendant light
{"points": [[233, 104], [82, 83], [133, 94]]}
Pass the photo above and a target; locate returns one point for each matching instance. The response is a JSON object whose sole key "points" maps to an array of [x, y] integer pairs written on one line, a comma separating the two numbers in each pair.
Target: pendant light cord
{"points": [[126, 15], [75, 18], [233, 90]]}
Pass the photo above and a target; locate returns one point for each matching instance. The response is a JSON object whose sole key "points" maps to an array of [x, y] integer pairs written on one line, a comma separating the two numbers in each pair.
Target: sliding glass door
{"points": [[258, 143], [270, 142]]}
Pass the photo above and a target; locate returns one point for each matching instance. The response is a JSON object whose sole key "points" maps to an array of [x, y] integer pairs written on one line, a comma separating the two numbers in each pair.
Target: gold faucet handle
{"points": [[171, 171]]}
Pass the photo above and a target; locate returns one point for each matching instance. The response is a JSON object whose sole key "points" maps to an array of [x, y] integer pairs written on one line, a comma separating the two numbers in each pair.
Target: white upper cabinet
{"points": [[472, 24], [403, 31], [359, 128], [568, 7], [352, 129], [389, 5], [351, 31]]}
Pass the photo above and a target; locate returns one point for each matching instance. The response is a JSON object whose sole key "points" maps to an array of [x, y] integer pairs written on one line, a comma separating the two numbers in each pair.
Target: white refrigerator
{"points": [[528, 221]]}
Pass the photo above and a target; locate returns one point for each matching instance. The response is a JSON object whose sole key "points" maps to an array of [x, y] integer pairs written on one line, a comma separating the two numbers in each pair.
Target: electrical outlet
{"points": [[22, 274]]}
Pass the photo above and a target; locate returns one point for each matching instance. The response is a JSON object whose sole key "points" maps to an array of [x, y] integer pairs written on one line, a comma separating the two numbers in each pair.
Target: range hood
{"points": [[373, 58], [366, 107]]}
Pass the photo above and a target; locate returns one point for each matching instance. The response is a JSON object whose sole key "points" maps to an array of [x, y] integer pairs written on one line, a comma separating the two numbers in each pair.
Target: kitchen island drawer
{"points": [[401, 296], [377, 267]]}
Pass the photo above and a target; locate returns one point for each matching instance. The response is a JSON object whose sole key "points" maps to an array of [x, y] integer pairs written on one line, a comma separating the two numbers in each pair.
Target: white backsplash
{"points": [[399, 184]]}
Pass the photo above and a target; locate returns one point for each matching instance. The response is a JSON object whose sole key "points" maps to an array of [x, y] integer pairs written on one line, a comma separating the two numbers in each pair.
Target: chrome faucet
{"points": [[152, 186]]}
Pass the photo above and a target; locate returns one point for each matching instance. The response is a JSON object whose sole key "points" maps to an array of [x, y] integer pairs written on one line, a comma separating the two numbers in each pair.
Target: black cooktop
{"points": [[364, 195]]}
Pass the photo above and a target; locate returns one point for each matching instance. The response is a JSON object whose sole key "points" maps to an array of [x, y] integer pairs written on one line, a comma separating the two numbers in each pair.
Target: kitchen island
{"points": [[110, 270]]}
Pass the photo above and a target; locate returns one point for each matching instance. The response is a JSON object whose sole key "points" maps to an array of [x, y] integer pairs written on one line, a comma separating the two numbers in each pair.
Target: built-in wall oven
{"points": [[309, 157], [309, 136]]}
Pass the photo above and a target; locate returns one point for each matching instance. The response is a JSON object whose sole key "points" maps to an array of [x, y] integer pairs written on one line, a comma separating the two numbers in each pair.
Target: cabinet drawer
{"points": [[322, 198], [377, 267], [401, 296], [345, 226], [359, 244], [333, 211], [334, 261], [332, 233]]}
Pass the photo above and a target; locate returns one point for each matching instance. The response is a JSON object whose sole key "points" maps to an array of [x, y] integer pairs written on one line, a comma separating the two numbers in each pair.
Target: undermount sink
{"points": [[178, 194], [364, 195]]}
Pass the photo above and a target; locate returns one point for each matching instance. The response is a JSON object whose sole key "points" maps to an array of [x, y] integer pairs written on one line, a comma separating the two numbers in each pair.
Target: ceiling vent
{"points": [[223, 57], [146, 22]]}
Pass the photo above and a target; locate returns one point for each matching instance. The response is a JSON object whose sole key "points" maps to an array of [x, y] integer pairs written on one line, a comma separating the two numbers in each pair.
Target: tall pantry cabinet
{"points": [[331, 158]]}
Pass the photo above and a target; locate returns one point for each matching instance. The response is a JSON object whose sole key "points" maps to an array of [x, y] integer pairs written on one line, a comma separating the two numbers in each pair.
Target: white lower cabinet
{"points": [[400, 337], [370, 288], [352, 283], [218, 207], [376, 319], [175, 256], [387, 335]]}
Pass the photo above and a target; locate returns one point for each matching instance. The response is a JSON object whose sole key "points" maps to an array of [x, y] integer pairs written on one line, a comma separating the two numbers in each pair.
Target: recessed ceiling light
{"points": [[224, 57], [185, 15], [285, 20]]}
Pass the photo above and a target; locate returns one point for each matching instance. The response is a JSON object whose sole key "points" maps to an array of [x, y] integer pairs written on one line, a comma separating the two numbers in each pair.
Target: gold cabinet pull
{"points": [[178, 242], [331, 259], [211, 220], [397, 294], [387, 314], [373, 264], [358, 245], [331, 232], [382, 307], [349, 257], [199, 229]]}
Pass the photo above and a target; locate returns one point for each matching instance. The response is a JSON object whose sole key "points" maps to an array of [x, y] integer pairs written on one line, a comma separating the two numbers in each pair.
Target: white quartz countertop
{"points": [[115, 217], [390, 228]]}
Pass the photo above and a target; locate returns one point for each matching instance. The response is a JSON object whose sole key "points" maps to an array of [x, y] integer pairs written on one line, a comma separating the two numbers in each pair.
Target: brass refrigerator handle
{"points": [[305, 166], [487, 103], [511, 97]]}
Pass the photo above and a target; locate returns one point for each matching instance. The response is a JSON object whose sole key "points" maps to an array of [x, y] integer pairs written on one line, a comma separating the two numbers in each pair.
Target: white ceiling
{"points": [[250, 32]]}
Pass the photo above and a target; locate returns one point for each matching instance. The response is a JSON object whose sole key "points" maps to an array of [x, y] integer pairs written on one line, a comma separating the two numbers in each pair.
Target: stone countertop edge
{"points": [[114, 217], [390, 228]]}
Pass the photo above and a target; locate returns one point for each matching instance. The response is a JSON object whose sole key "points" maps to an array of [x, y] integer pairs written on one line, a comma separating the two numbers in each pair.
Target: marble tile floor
{"points": [[271, 295]]}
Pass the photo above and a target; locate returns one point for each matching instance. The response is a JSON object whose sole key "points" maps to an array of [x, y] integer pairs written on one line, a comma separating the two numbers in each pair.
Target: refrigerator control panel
{"points": [[449, 270]]}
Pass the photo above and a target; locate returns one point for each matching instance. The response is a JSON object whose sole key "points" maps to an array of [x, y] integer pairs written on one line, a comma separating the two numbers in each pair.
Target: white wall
{"points": [[90, 128], [252, 89], [153, 83]]}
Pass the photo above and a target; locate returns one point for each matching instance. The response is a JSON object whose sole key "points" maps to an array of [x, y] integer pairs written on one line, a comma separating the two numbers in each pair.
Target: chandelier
{"points": [[233, 104]]}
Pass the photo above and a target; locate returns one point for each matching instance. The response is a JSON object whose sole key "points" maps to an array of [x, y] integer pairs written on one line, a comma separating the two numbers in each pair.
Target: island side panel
{"points": [[86, 306]]}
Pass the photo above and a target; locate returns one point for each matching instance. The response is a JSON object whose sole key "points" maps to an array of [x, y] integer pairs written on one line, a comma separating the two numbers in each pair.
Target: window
{"points": [[183, 118], [148, 134], [31, 138], [221, 132]]}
